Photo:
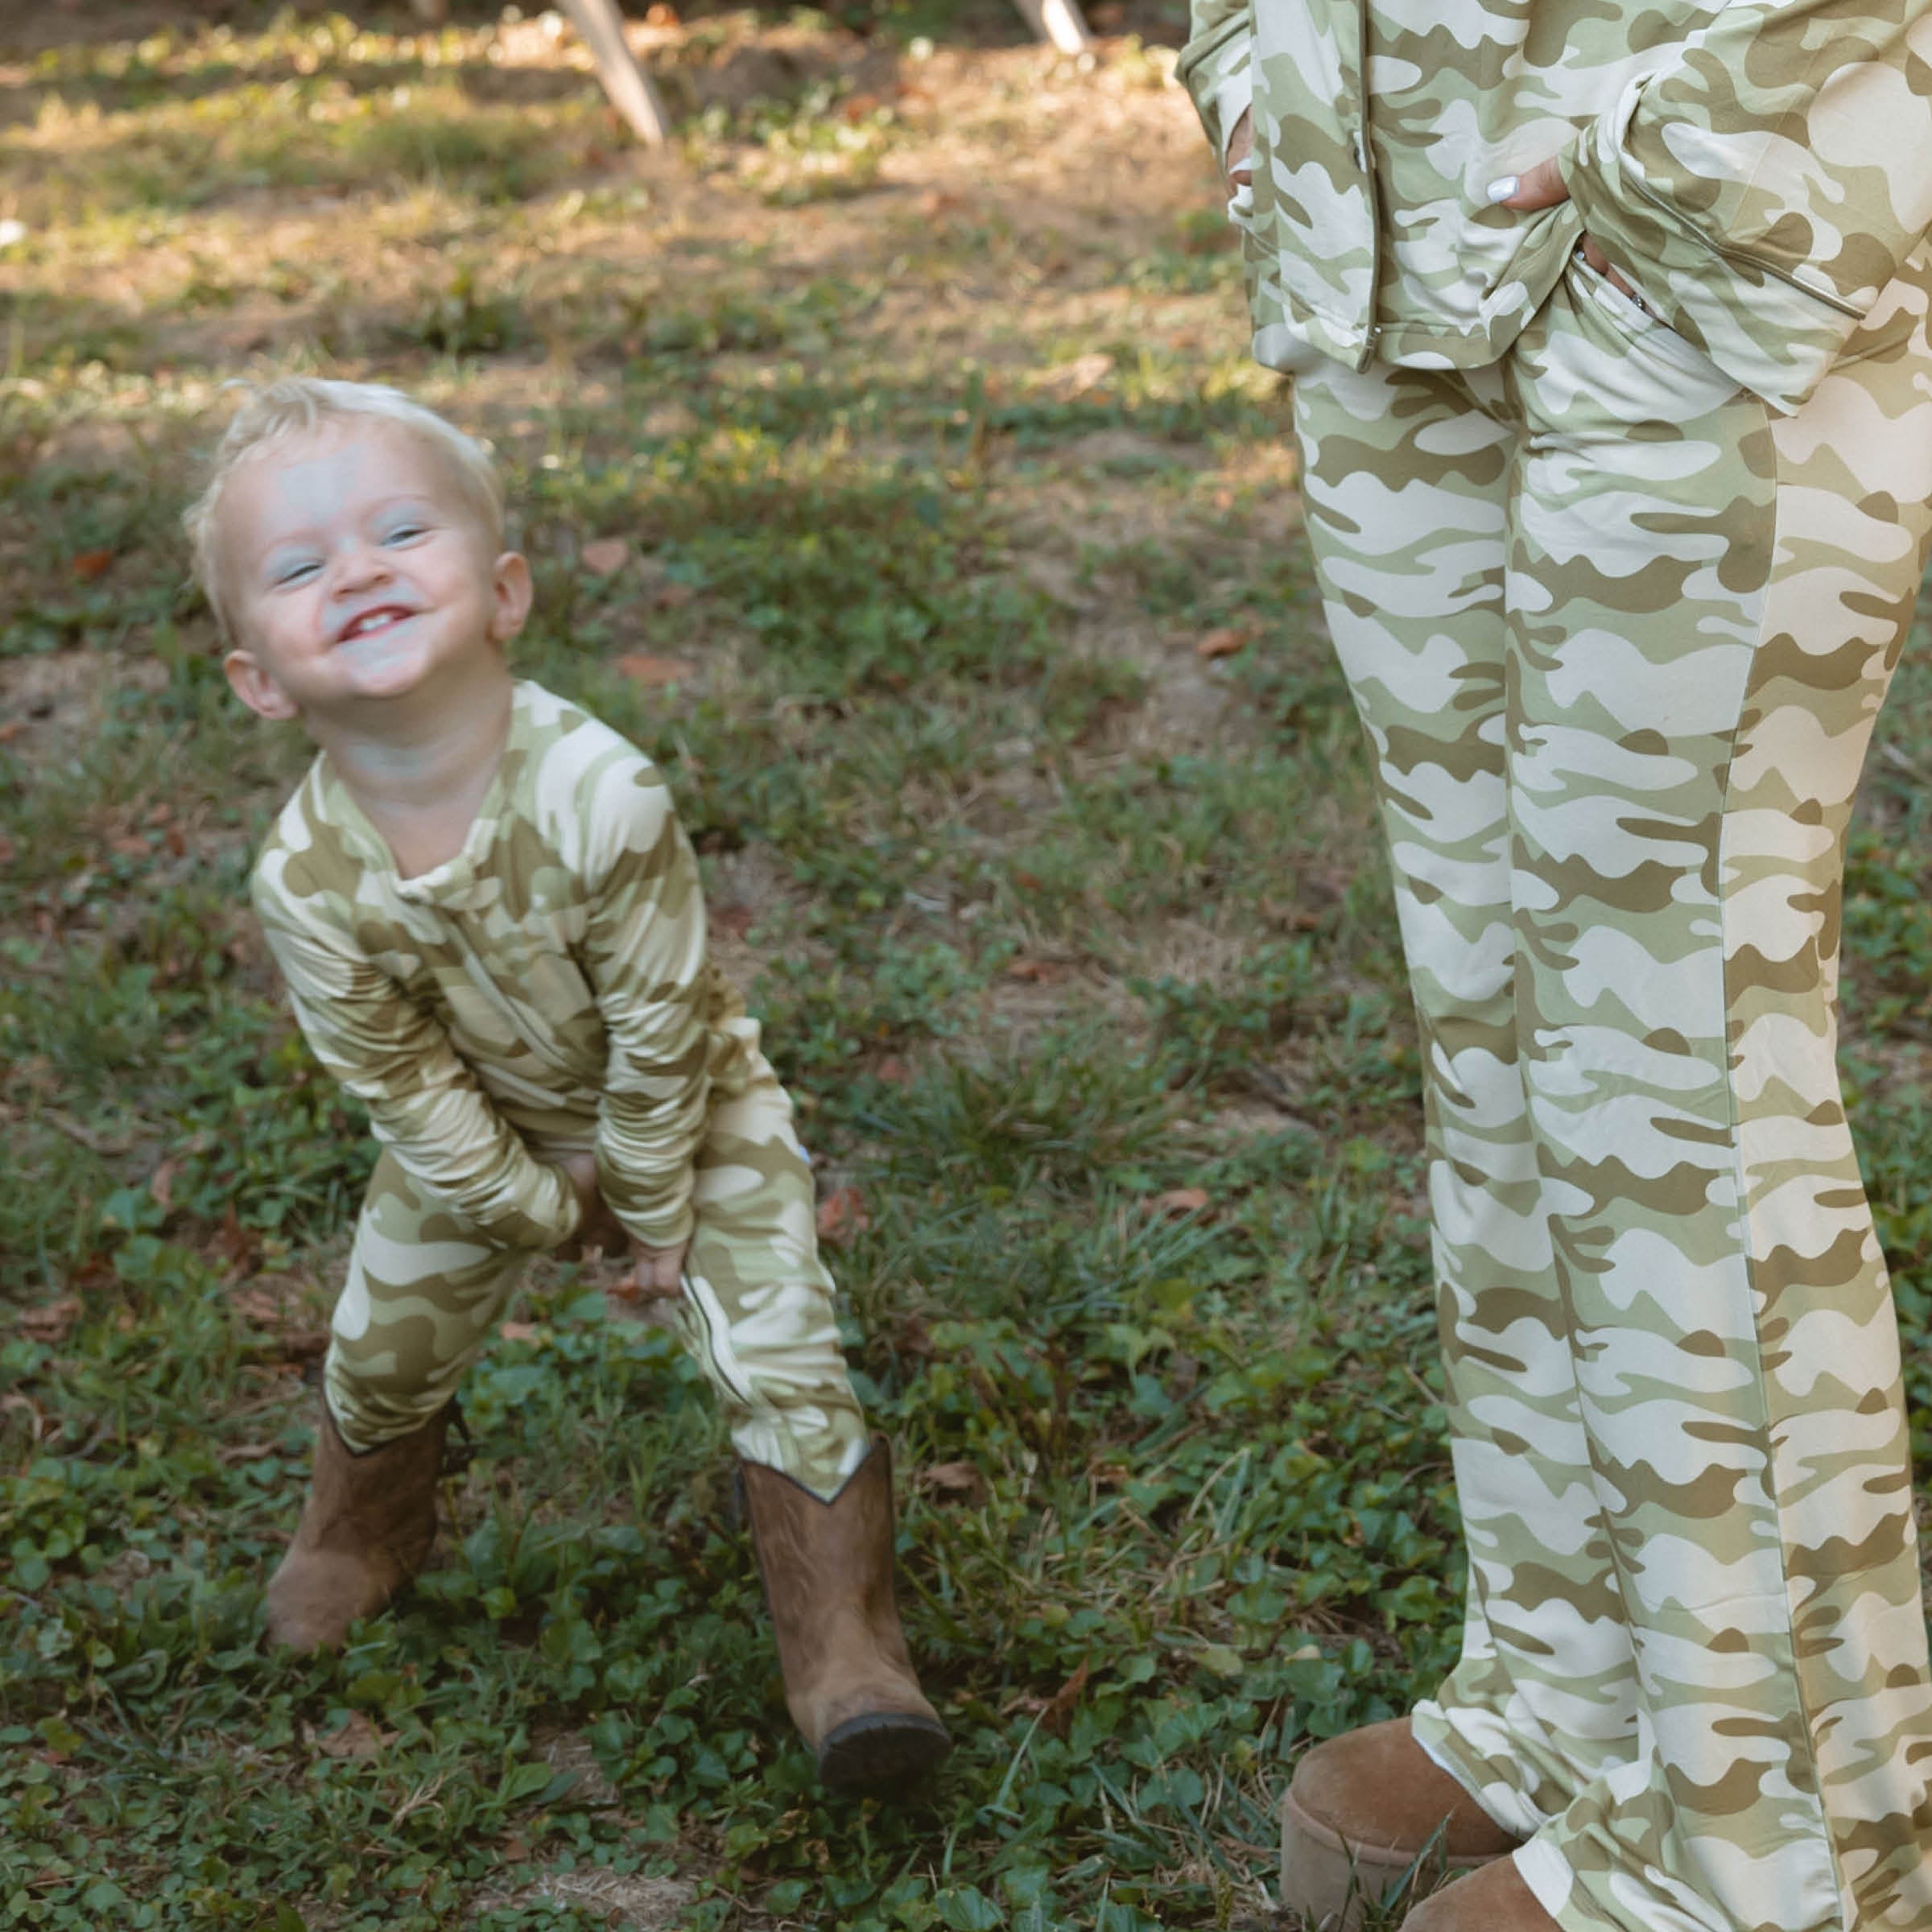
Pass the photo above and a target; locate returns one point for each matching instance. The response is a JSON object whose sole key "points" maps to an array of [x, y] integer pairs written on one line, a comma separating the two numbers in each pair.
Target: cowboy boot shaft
{"points": [[827, 1567], [366, 1529]]}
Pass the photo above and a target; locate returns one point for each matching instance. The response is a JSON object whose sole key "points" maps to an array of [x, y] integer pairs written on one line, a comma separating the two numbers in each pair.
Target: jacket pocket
{"points": [[1635, 318]]}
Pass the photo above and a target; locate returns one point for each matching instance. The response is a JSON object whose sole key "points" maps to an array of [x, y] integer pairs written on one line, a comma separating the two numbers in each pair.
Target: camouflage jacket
{"points": [[1759, 169], [548, 987]]}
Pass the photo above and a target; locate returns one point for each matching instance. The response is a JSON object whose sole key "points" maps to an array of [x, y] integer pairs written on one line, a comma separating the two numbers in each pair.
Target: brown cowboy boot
{"points": [[849, 1682], [365, 1532], [1361, 1810], [1496, 1900]]}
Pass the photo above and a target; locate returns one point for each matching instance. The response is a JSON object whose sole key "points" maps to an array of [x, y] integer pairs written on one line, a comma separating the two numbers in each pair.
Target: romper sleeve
{"points": [[423, 1102], [1216, 66], [1765, 186], [644, 955]]}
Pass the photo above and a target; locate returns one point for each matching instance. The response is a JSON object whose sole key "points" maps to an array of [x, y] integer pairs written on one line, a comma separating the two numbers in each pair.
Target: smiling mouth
{"points": [[366, 621]]}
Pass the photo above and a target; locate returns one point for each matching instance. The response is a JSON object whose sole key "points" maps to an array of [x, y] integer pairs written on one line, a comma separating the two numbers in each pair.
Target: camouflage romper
{"points": [[1618, 586], [547, 991]]}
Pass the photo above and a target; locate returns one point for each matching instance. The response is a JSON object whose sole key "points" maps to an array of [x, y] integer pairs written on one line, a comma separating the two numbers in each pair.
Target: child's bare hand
{"points": [[1543, 187], [659, 1272], [599, 1231]]}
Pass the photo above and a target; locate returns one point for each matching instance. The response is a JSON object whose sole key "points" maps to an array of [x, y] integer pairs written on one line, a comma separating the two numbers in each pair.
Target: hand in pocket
{"points": [[1239, 167], [1543, 188]]}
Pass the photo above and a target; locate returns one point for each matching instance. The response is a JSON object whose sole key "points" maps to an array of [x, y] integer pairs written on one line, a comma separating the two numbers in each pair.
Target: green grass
{"points": [[1049, 919]]}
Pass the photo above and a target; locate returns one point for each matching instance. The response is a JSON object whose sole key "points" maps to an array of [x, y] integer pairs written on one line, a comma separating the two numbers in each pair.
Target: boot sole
{"points": [[1331, 1882], [880, 1748]]}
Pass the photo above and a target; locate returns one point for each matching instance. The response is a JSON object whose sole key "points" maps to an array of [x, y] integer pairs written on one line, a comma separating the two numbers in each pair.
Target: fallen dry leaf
{"points": [[843, 1214], [955, 1478], [642, 668], [51, 1321], [1060, 1706], [913, 1337], [1053, 1713], [89, 563], [1036, 970], [605, 555], [161, 1182], [669, 597], [892, 1071], [14, 1403], [1082, 373], [257, 1305], [1178, 1201], [518, 1332], [233, 1245], [1224, 642], [358, 1739]]}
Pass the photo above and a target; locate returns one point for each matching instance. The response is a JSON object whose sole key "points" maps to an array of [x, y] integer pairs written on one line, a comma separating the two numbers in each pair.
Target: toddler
{"points": [[491, 926]]}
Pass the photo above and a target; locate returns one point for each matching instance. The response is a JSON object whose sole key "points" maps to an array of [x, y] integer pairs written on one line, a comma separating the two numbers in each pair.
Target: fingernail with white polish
{"points": [[1502, 190]]}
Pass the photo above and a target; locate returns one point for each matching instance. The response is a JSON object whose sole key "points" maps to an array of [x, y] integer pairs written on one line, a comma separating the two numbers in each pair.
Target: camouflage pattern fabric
{"points": [[1618, 632], [426, 1289], [546, 991], [1760, 169]]}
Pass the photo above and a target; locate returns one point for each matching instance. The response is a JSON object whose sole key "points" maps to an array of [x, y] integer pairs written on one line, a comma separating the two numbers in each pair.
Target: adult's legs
{"points": [[1705, 605], [1406, 479], [1694, 1646]]}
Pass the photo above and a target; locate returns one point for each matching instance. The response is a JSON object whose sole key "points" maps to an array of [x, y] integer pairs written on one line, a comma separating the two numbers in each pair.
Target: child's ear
{"points": [[250, 681], [510, 594]]}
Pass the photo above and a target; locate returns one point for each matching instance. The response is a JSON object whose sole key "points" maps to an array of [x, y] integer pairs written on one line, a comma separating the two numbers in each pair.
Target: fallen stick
{"points": [[1059, 21], [627, 84]]}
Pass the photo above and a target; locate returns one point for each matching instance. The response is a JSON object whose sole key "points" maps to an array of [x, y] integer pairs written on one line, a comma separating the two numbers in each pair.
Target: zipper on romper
{"points": [[488, 987]]}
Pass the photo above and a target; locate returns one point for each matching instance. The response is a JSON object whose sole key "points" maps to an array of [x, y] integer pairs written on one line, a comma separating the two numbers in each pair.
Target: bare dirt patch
{"points": [[51, 705]]}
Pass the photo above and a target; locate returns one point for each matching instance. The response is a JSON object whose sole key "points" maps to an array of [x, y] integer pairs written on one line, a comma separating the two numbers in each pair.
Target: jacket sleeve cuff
{"points": [[1218, 72], [1761, 329]]}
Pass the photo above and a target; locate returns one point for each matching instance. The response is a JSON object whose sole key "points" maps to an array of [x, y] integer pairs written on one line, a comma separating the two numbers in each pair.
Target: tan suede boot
{"points": [[1362, 1809], [1495, 1900], [365, 1532], [849, 1682]]}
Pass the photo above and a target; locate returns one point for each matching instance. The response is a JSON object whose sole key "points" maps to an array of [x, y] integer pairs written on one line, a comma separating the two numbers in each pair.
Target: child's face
{"points": [[356, 573]]}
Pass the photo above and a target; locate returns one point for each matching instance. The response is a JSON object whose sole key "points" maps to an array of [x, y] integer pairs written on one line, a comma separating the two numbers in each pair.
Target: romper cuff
{"points": [[665, 1230]]}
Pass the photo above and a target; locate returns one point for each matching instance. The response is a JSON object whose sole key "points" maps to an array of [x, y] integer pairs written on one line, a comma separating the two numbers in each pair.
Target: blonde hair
{"points": [[292, 405]]}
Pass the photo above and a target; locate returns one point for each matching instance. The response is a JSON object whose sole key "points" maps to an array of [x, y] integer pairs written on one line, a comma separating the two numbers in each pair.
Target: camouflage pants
{"points": [[1618, 635], [425, 1290]]}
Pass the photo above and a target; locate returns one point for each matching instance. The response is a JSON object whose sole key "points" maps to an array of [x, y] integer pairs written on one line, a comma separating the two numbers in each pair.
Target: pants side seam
{"points": [[1741, 1181]]}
